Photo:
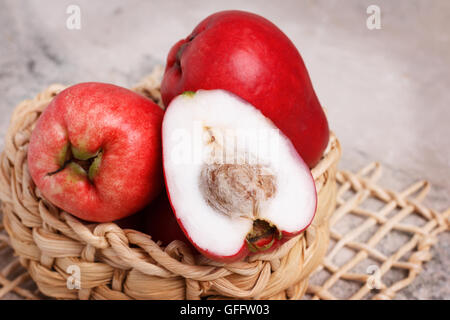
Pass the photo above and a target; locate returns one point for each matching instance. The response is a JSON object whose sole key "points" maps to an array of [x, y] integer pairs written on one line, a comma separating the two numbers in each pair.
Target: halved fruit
{"points": [[236, 184]]}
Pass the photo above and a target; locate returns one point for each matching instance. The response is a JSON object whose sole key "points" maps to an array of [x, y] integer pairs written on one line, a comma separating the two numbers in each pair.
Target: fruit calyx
{"points": [[262, 236], [85, 163]]}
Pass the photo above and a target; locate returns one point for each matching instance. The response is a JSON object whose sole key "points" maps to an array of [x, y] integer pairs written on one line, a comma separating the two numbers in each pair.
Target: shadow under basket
{"points": [[114, 263]]}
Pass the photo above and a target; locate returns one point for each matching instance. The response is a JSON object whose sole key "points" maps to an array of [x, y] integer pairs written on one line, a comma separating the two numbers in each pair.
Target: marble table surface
{"points": [[385, 90]]}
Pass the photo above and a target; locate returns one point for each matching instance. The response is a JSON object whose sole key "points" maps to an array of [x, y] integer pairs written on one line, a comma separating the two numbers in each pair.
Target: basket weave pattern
{"points": [[409, 257], [126, 264]]}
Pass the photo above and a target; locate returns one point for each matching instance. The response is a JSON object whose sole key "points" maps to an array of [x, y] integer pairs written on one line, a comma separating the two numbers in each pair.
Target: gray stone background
{"points": [[385, 91]]}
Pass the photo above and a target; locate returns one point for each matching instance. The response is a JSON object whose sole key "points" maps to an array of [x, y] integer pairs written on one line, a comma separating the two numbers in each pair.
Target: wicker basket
{"points": [[126, 264]]}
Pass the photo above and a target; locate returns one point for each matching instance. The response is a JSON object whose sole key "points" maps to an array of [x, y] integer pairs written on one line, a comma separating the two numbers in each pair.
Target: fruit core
{"points": [[237, 190], [240, 190]]}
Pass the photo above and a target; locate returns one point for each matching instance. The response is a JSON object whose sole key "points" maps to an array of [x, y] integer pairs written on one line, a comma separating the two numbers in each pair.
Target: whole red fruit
{"points": [[248, 55], [96, 151]]}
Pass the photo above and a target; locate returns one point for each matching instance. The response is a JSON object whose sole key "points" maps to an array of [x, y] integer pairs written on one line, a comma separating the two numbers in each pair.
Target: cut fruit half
{"points": [[235, 182]]}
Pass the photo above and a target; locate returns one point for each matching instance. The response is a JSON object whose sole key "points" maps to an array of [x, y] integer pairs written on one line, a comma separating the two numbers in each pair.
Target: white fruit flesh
{"points": [[227, 165]]}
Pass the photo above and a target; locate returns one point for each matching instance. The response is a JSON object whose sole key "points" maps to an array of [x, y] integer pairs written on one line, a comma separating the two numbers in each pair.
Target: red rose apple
{"points": [[235, 183], [96, 151], [249, 56]]}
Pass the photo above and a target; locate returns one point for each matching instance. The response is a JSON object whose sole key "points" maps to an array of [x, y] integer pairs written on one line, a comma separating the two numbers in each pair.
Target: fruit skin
{"points": [[248, 55], [118, 128], [136, 221], [161, 224]]}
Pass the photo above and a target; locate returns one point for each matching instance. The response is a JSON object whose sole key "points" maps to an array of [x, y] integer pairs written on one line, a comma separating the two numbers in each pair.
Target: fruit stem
{"points": [[188, 93]]}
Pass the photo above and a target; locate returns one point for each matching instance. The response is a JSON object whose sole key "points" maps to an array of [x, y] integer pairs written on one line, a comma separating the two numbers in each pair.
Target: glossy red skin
{"points": [[248, 55], [136, 221], [93, 116], [161, 224]]}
